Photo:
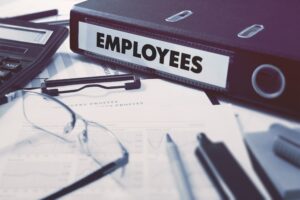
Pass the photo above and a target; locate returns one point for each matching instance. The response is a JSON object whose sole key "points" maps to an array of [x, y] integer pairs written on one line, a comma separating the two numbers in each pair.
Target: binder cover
{"points": [[245, 50]]}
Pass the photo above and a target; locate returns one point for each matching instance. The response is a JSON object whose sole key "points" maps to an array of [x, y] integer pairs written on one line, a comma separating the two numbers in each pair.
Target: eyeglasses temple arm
{"points": [[103, 171]]}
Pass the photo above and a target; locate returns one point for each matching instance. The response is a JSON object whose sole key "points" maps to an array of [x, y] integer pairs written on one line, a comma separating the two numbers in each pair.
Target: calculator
{"points": [[25, 50]]}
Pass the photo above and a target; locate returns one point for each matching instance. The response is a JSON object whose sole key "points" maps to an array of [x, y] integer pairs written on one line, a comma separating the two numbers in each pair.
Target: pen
{"points": [[134, 84], [179, 171], [37, 15], [213, 173], [228, 174], [57, 22]]}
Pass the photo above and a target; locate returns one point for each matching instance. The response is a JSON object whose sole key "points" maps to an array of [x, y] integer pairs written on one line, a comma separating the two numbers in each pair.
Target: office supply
{"points": [[25, 49], [213, 47], [281, 178], [228, 169], [65, 65], [287, 144], [37, 15], [93, 136], [135, 84], [140, 118], [58, 22], [213, 173], [47, 86], [18, 7], [179, 171]]}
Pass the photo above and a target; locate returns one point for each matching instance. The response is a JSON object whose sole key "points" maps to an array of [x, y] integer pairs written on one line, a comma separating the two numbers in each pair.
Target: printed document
{"points": [[141, 118]]}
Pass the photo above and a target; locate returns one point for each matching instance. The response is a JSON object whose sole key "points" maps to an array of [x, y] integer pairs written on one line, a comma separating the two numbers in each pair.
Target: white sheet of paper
{"points": [[141, 118], [11, 8]]}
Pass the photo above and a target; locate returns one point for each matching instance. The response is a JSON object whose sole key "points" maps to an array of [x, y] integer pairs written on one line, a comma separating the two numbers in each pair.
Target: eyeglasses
{"points": [[95, 140]]}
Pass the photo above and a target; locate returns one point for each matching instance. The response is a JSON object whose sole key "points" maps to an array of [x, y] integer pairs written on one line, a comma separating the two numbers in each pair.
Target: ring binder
{"points": [[215, 48]]}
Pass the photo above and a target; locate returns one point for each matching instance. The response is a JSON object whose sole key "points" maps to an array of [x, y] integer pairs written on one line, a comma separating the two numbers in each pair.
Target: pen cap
{"points": [[203, 139], [136, 84], [51, 92], [222, 163]]}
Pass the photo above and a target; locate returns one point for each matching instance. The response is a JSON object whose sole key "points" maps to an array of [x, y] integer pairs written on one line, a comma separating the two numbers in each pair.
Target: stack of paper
{"points": [[141, 119]]}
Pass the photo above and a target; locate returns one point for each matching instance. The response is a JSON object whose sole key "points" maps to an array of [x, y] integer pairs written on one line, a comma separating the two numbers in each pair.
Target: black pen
{"points": [[230, 179], [213, 173], [93, 82], [37, 15]]}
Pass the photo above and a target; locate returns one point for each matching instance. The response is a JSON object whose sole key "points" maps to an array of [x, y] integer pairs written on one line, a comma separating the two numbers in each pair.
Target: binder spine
{"points": [[161, 74], [215, 79]]}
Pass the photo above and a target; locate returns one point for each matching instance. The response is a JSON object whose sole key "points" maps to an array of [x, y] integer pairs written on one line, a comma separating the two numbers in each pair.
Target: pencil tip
{"points": [[169, 139]]}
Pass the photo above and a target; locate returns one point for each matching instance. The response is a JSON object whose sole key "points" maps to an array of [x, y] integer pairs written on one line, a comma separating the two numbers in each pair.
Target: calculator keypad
{"points": [[4, 74], [9, 67], [11, 64]]}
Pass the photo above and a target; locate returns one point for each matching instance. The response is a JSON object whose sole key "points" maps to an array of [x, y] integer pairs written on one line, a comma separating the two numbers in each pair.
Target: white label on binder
{"points": [[183, 61]]}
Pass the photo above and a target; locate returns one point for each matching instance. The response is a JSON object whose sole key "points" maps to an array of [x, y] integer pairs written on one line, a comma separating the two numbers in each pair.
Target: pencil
{"points": [[37, 15], [179, 171]]}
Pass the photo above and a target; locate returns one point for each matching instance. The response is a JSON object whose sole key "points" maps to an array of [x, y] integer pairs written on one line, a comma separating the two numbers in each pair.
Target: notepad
{"points": [[287, 144], [281, 178]]}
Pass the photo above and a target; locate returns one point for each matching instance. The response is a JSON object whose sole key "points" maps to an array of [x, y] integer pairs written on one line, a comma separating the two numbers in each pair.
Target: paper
{"points": [[11, 8], [252, 120], [141, 119]]}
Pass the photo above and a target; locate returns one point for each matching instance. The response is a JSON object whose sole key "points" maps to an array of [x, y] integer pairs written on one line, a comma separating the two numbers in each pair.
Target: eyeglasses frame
{"points": [[96, 175]]}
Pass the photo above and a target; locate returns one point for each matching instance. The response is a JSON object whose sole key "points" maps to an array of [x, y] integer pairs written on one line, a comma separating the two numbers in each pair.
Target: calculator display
{"points": [[24, 34], [25, 50]]}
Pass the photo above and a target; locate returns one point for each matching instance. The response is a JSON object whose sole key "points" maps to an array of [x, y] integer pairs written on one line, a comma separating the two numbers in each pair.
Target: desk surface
{"points": [[67, 64]]}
